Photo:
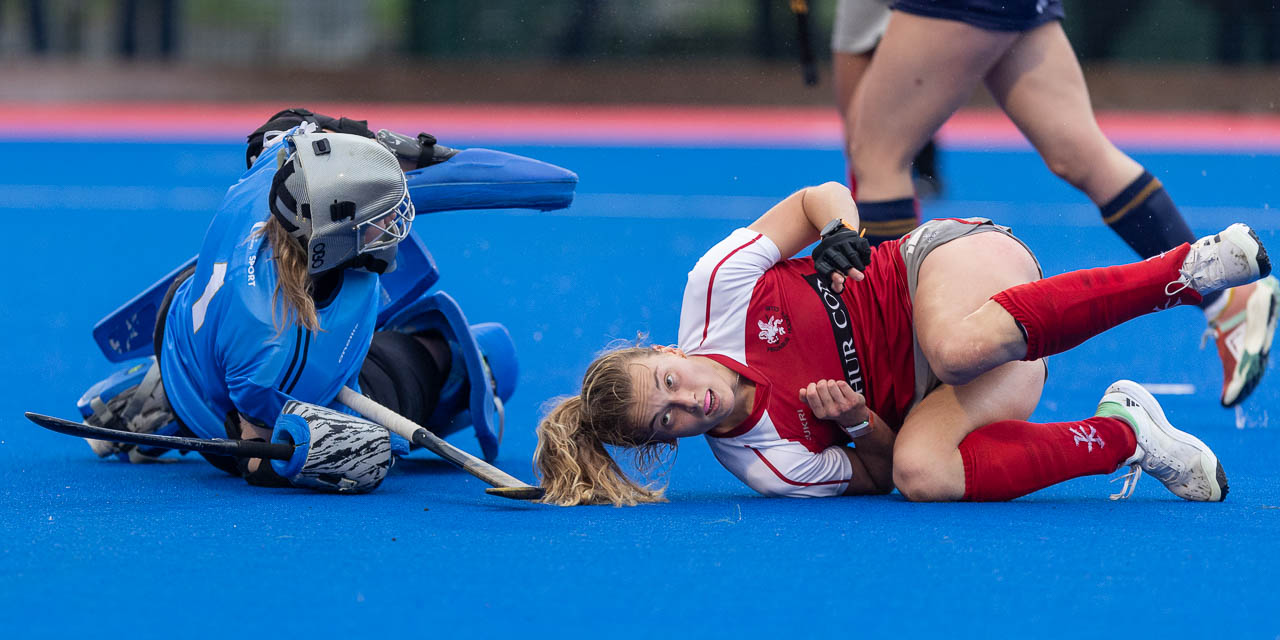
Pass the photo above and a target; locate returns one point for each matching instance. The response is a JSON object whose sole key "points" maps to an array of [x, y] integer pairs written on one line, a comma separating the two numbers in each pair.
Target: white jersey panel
{"points": [[718, 292], [777, 467]]}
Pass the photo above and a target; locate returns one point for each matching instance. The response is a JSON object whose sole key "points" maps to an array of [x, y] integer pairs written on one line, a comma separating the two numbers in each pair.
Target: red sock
{"points": [[1005, 460], [1059, 313]]}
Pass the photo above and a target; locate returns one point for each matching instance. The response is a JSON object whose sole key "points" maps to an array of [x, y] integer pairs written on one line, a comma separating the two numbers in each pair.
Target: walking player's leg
{"points": [[1039, 85], [923, 70]]}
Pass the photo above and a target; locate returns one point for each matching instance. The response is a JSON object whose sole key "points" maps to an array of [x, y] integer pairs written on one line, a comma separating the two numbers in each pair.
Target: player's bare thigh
{"points": [[848, 70], [960, 331], [910, 90], [1040, 86]]}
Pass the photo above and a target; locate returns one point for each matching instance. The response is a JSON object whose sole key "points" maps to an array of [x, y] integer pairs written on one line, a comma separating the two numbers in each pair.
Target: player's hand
{"points": [[835, 400], [842, 254]]}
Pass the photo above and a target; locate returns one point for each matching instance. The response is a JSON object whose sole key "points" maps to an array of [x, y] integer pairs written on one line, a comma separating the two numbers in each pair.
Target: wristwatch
{"points": [[832, 227]]}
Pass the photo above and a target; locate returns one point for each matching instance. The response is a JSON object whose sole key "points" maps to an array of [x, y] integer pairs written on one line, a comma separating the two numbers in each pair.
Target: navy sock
{"points": [[1144, 216], [888, 219]]}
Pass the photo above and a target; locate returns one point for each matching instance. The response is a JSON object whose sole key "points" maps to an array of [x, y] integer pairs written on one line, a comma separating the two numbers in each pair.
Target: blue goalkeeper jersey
{"points": [[222, 350]]}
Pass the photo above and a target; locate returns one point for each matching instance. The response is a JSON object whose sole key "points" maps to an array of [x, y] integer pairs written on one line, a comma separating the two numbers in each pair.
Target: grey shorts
{"points": [[914, 247], [859, 25]]}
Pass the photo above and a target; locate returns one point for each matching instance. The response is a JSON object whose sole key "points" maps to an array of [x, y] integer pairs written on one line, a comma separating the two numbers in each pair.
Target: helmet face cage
{"points": [[386, 230], [343, 196]]}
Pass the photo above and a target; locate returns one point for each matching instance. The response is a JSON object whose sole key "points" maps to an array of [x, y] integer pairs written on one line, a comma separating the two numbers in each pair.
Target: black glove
{"points": [[841, 249], [422, 151]]}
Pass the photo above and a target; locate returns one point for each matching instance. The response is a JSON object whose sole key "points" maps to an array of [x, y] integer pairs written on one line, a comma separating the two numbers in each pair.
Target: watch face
{"points": [[831, 226]]}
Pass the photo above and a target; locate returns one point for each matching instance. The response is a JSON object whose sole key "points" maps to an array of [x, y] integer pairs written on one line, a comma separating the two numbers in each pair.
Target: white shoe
{"points": [[1227, 259], [1185, 465], [104, 448], [125, 451]]}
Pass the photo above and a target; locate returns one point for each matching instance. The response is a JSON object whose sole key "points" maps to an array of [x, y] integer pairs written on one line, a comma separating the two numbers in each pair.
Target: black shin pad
{"points": [[400, 374]]}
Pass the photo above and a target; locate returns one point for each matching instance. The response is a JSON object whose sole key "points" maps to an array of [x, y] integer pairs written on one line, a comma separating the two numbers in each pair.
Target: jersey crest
{"points": [[776, 330]]}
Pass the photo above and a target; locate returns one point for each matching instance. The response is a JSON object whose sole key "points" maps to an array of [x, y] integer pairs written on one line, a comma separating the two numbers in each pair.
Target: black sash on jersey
{"points": [[842, 329]]}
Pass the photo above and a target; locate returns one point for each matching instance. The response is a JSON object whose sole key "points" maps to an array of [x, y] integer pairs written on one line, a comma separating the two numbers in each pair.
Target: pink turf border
{"points": [[625, 125]]}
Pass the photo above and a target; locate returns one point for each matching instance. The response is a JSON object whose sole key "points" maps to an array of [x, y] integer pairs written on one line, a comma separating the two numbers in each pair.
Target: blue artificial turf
{"points": [[89, 547]]}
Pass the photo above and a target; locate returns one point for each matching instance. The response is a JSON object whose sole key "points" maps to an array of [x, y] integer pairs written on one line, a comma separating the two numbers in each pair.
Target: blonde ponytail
{"points": [[293, 282], [571, 457]]}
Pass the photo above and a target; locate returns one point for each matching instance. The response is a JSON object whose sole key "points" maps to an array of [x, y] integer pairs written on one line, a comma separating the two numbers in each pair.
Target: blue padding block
{"points": [[488, 179]]}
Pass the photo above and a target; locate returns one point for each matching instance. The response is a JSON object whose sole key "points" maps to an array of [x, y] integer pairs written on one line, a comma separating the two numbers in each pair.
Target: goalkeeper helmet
{"points": [[344, 198]]}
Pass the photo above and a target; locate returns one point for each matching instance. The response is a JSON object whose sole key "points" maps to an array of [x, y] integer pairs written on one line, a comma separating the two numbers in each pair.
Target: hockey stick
{"points": [[503, 484], [216, 446], [808, 65]]}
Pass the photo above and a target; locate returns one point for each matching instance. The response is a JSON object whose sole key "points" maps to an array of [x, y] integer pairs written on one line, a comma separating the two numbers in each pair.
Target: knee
{"points": [[921, 476], [1071, 161], [959, 358]]}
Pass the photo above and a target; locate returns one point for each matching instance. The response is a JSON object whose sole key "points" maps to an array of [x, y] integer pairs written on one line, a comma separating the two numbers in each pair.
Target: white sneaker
{"points": [[103, 448], [1227, 259], [1185, 465]]}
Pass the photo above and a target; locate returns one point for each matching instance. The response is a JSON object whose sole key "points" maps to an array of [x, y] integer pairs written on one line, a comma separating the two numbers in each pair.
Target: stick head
{"points": [[517, 493]]}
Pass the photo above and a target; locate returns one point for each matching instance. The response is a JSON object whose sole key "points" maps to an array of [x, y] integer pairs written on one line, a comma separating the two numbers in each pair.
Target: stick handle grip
{"points": [[419, 435]]}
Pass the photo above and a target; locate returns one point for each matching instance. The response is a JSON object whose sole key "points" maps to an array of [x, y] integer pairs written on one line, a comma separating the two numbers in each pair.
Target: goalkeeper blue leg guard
{"points": [[482, 373]]}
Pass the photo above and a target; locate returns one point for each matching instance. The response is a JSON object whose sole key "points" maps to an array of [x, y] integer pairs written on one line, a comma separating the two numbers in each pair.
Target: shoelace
{"points": [[1212, 272], [1164, 469], [1184, 280], [1130, 482]]}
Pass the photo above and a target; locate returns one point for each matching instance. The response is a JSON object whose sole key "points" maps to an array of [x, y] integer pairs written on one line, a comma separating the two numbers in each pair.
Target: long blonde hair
{"points": [[571, 457], [293, 281]]}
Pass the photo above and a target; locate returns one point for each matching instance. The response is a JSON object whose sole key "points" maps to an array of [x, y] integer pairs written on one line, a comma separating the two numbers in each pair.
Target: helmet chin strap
{"points": [[368, 262]]}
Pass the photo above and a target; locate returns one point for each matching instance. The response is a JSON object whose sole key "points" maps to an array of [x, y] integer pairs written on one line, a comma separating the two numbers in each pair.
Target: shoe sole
{"points": [[1264, 261], [1252, 246], [1209, 464], [1264, 302]]}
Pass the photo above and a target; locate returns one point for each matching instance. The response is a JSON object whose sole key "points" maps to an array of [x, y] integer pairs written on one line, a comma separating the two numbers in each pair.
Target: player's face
{"points": [[373, 231], [388, 229], [680, 396]]}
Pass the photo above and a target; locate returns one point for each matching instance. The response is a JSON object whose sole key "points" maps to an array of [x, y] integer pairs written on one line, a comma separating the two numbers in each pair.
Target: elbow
{"points": [[832, 187], [881, 483]]}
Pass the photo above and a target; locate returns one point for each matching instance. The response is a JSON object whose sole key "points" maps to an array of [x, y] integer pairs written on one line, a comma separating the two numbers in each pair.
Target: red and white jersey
{"points": [[775, 323]]}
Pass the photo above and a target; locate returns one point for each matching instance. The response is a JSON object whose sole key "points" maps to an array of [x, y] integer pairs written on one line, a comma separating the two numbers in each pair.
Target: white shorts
{"points": [[859, 25]]}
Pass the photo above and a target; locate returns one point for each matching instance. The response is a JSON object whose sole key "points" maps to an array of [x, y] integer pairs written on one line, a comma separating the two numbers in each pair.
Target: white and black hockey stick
{"points": [[502, 484], [215, 446]]}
